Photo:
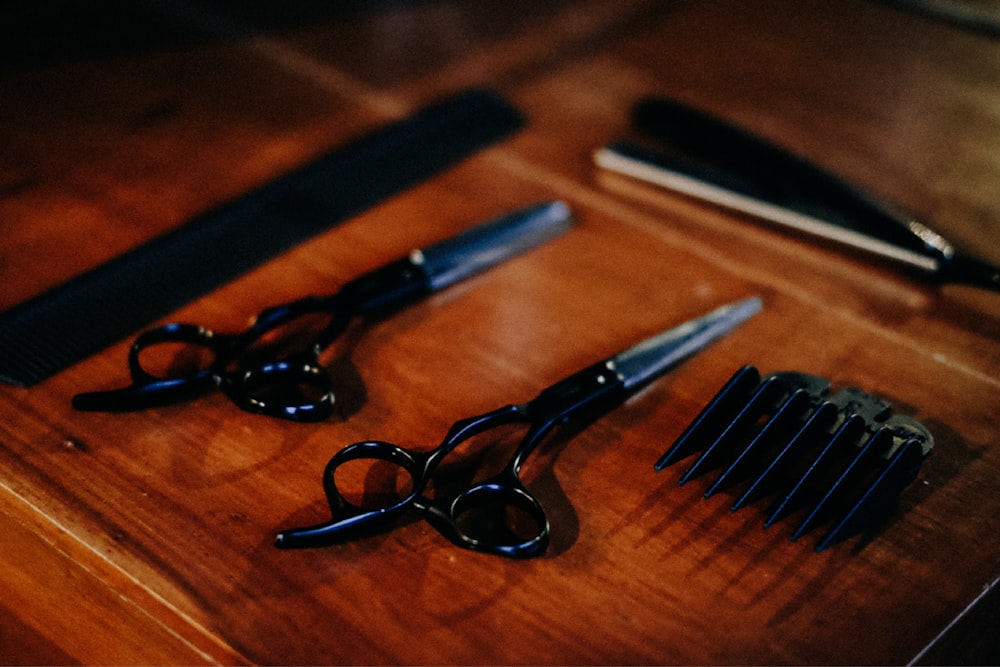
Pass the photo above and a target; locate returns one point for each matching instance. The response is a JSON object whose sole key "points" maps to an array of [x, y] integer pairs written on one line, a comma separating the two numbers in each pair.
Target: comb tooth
{"points": [[769, 392], [784, 419], [709, 422], [878, 497], [849, 432], [876, 444], [820, 420]]}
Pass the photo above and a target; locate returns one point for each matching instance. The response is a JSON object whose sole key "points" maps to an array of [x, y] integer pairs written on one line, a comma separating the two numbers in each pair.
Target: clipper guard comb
{"points": [[839, 460]]}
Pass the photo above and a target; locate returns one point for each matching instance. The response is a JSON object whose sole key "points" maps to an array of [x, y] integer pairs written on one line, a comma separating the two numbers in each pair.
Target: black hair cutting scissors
{"points": [[464, 519], [270, 369]]}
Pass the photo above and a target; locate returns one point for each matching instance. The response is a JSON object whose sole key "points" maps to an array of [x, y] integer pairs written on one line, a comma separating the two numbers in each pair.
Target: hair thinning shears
{"points": [[273, 367], [499, 515]]}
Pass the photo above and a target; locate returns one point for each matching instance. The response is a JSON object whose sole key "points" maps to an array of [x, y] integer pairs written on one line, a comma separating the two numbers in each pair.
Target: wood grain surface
{"points": [[147, 537]]}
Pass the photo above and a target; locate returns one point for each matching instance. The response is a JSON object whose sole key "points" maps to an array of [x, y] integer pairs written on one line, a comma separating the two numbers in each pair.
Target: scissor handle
{"points": [[498, 516], [350, 519], [297, 387], [149, 389]]}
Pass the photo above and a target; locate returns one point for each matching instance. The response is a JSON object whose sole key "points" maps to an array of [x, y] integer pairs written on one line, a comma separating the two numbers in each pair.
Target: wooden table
{"points": [[147, 537]]}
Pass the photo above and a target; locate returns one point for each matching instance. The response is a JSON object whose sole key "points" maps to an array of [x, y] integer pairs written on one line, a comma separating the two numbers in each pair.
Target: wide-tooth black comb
{"points": [[840, 460]]}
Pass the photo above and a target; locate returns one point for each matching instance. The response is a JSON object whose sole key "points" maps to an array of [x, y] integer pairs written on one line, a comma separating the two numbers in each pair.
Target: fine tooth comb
{"points": [[840, 460]]}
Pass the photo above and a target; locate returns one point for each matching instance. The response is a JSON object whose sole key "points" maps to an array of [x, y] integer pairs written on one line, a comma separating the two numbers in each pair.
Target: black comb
{"points": [[839, 460]]}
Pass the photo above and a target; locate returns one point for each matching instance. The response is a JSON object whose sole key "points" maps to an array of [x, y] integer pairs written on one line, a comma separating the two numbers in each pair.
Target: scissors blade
{"points": [[654, 356], [491, 243]]}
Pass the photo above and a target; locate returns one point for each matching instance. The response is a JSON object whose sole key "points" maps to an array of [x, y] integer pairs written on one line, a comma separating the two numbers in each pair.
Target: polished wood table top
{"points": [[147, 537]]}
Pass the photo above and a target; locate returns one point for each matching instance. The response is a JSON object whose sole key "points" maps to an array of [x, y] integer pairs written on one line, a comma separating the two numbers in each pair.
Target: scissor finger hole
{"points": [[173, 359], [372, 484], [498, 516]]}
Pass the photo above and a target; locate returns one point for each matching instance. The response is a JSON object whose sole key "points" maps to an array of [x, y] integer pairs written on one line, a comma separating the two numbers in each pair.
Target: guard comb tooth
{"points": [[874, 446], [770, 391], [821, 419], [785, 418], [709, 422]]}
